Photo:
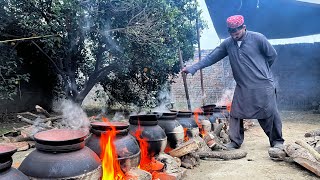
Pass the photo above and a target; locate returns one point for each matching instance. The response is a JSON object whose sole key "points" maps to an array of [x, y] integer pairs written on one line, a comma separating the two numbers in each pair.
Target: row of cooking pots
{"points": [[62, 153]]}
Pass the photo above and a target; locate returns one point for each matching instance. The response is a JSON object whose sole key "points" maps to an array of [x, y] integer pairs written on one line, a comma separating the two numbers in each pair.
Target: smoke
{"points": [[164, 100], [73, 115], [118, 116], [226, 98]]}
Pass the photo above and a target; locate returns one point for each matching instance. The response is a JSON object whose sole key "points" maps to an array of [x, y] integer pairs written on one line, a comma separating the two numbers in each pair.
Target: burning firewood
{"points": [[153, 165], [214, 142], [172, 169], [138, 174], [170, 176], [171, 164]]}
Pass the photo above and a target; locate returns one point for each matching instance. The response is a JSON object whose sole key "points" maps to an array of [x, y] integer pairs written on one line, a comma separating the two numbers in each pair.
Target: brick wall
{"points": [[218, 84]]}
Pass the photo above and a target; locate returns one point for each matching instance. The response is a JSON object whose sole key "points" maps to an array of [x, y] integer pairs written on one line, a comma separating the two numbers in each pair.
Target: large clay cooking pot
{"points": [[187, 121], [173, 129], [150, 130], [127, 147], [6, 171], [61, 154]]}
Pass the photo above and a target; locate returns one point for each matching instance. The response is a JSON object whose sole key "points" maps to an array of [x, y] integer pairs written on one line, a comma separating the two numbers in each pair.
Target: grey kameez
{"points": [[254, 96]]}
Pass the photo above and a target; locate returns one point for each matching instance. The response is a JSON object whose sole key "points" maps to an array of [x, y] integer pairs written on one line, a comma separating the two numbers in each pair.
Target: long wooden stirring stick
{"points": [[184, 78]]}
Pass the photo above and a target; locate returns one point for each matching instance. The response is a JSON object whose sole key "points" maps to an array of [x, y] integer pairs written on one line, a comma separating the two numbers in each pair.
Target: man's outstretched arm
{"points": [[216, 55]]}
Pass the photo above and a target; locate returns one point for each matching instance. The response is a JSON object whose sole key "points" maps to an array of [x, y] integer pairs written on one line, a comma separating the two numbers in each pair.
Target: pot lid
{"points": [[172, 113], [7, 151], [60, 136], [107, 125]]}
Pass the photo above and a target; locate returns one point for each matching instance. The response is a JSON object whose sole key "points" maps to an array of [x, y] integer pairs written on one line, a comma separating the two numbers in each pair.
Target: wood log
{"points": [[317, 147], [312, 151], [184, 148], [42, 111], [313, 133], [52, 119], [138, 174], [210, 140], [302, 156], [171, 164], [218, 129], [224, 155], [32, 122], [28, 113], [202, 146], [224, 137], [189, 161], [311, 166]]}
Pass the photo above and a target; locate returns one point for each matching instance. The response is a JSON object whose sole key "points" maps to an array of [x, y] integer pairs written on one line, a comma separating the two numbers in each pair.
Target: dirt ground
{"points": [[257, 164]]}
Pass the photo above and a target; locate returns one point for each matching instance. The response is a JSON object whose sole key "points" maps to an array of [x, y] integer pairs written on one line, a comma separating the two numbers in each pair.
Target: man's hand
{"points": [[185, 70]]}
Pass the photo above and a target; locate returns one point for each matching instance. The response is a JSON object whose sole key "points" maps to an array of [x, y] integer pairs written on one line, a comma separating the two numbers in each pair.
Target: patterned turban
{"points": [[235, 21]]}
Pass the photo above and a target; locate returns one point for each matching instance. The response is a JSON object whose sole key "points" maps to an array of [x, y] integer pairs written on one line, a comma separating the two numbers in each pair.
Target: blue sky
{"points": [[209, 38]]}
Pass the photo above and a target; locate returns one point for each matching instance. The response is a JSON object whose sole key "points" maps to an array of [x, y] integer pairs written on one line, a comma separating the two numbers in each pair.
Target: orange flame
{"points": [[186, 137], [111, 169], [145, 156], [197, 111], [168, 149], [229, 106]]}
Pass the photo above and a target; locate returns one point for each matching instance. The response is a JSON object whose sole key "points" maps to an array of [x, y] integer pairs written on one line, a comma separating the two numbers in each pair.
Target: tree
{"points": [[129, 46]]}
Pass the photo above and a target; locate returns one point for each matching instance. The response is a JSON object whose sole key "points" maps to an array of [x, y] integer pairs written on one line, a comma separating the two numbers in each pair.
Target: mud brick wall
{"points": [[218, 84], [296, 73]]}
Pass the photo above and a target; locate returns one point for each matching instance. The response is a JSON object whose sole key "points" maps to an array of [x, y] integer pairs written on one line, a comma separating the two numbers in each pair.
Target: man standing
{"points": [[251, 56]]}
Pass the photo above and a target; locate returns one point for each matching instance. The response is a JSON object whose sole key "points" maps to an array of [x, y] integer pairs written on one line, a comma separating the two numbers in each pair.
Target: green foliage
{"points": [[128, 46], [10, 77]]}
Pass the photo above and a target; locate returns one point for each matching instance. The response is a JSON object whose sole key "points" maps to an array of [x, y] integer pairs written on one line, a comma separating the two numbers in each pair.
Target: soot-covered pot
{"points": [[187, 121], [173, 129], [61, 154], [6, 171], [127, 147], [147, 128]]}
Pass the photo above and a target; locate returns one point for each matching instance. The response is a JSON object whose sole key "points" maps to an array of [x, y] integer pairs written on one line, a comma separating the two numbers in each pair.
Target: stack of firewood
{"points": [[209, 146], [306, 152], [313, 139], [22, 138]]}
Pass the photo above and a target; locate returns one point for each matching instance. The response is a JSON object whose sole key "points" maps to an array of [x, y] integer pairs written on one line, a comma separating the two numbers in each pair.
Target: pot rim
{"points": [[107, 125], [60, 136], [7, 151]]}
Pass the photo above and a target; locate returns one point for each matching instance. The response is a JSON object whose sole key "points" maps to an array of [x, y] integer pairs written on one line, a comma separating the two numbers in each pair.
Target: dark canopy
{"points": [[274, 18]]}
